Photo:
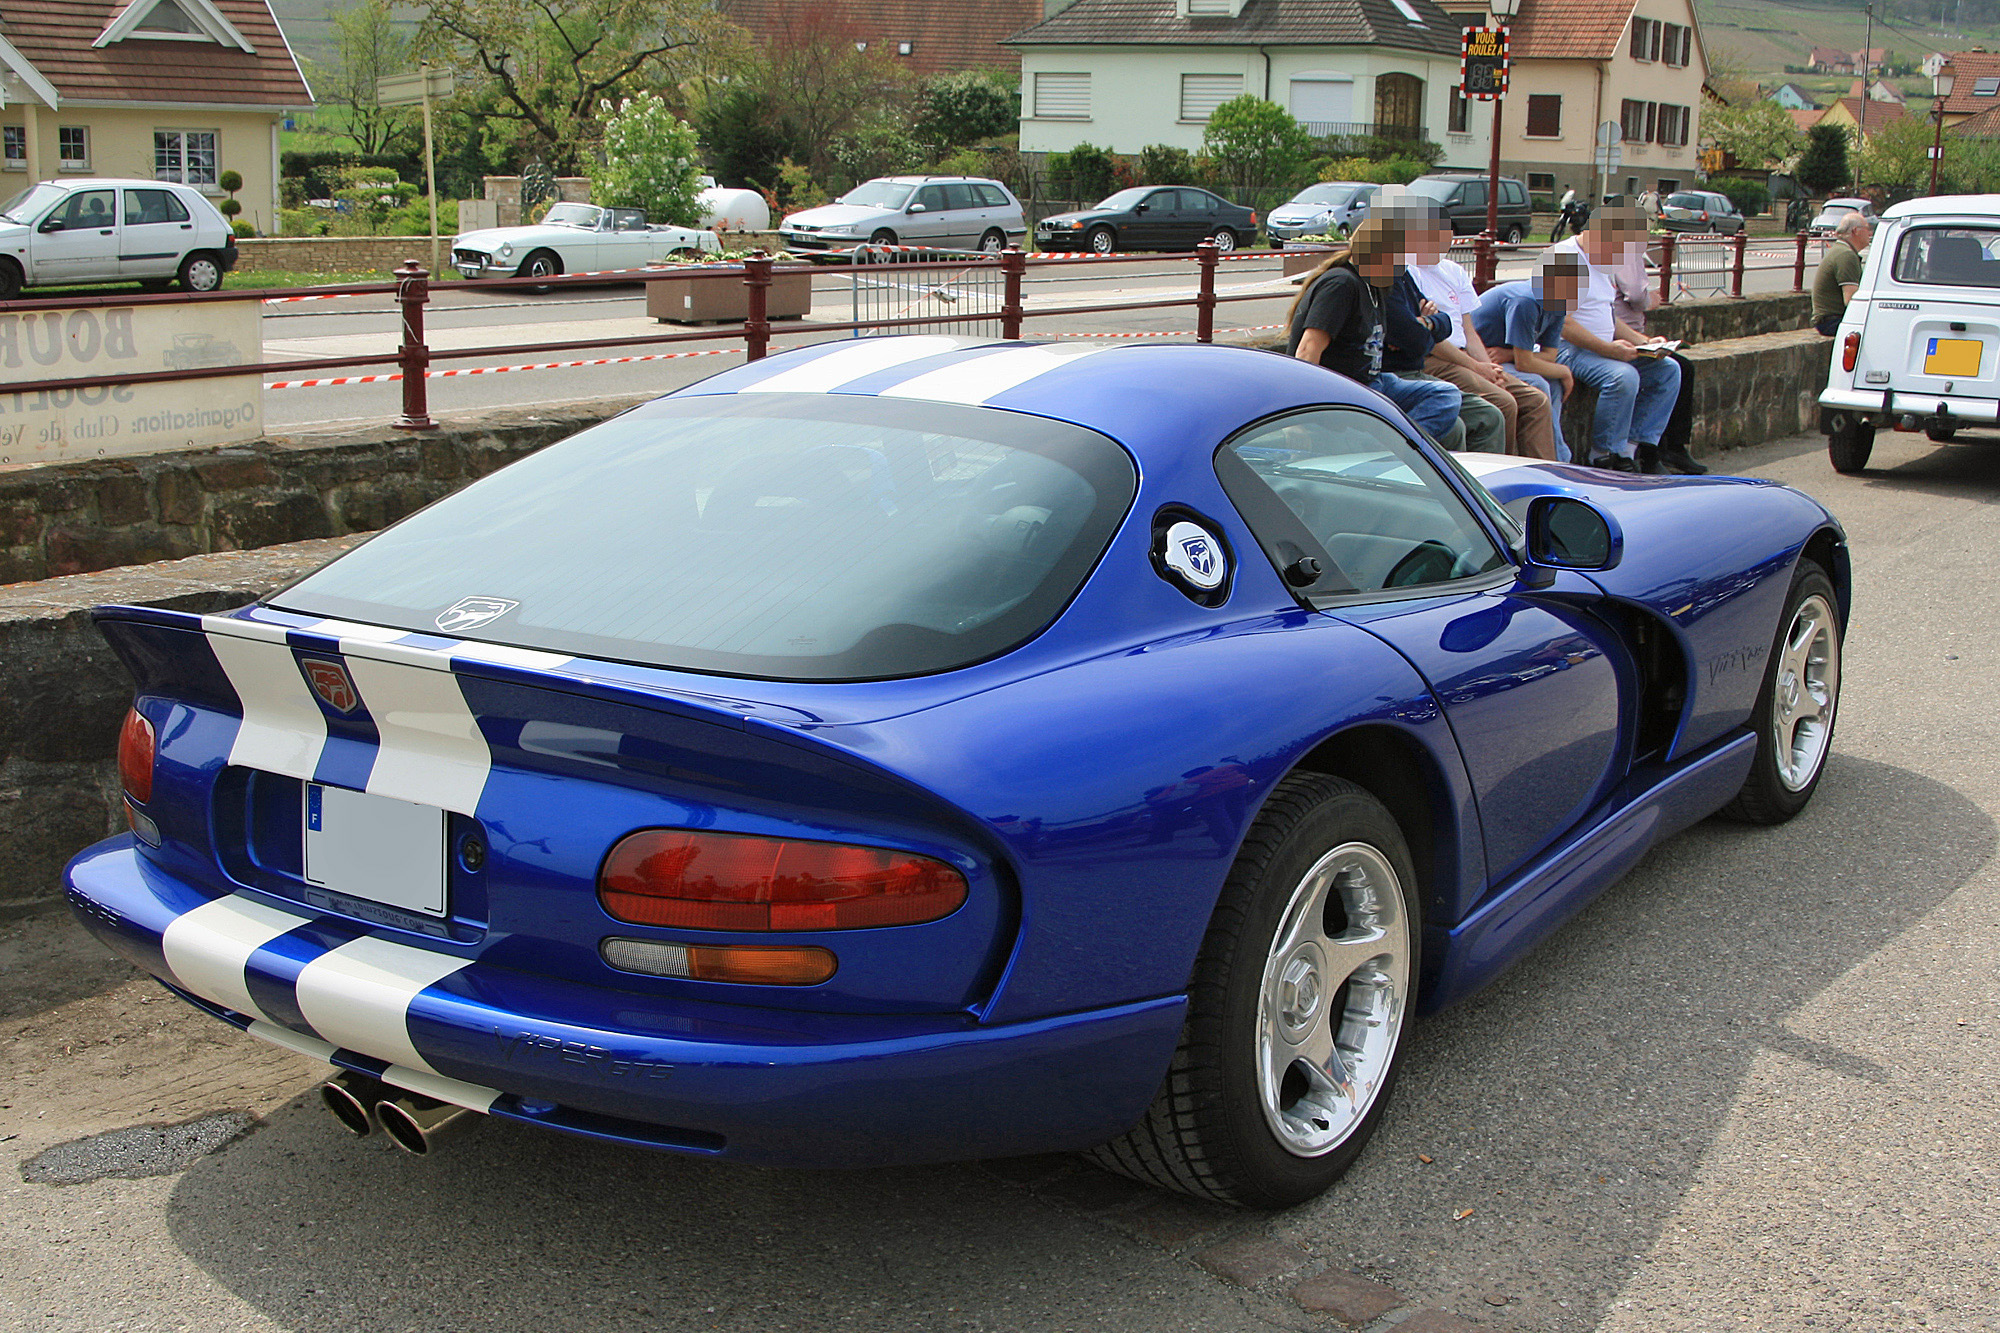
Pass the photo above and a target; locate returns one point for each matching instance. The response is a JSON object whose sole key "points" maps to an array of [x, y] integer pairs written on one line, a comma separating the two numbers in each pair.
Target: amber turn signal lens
{"points": [[747, 965], [135, 756]]}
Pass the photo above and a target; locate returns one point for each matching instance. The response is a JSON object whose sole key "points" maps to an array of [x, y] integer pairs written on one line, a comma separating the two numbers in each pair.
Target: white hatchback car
{"points": [[1919, 345], [97, 229]]}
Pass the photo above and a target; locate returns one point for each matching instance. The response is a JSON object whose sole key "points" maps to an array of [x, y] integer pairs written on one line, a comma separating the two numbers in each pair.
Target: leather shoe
{"points": [[1678, 462], [1615, 463], [1649, 461]]}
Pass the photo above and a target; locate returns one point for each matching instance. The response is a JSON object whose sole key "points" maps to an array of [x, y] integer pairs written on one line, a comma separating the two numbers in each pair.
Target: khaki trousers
{"points": [[1531, 429]]}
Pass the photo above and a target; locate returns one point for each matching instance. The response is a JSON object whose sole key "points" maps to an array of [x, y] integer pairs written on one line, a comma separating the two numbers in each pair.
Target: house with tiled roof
{"points": [[162, 89], [925, 36], [1975, 85], [1829, 61], [1792, 97], [1862, 117], [1123, 74], [1578, 64]]}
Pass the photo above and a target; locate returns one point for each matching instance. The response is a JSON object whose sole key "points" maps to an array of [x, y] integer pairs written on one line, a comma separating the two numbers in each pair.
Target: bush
{"points": [[306, 221], [955, 109], [1750, 197], [1086, 172], [797, 190], [1256, 144], [1163, 164], [230, 181], [242, 228], [320, 168], [1389, 171], [652, 160], [291, 192]]}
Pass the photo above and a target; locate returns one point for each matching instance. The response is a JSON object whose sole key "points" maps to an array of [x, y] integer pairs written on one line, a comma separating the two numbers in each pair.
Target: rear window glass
{"points": [[1686, 201], [780, 536], [1949, 256]]}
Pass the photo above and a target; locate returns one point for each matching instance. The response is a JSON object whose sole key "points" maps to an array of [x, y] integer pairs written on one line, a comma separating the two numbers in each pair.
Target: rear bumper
{"points": [[1882, 405], [774, 1087]]}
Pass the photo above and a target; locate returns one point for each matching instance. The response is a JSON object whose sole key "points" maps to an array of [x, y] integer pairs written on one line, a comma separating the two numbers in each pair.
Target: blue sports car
{"points": [[920, 748]]}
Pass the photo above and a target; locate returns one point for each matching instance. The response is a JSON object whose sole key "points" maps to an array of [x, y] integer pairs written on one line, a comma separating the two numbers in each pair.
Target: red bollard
{"points": [[1204, 300], [1799, 264], [756, 321], [1736, 276], [1485, 262], [413, 292], [1666, 268], [1013, 267]]}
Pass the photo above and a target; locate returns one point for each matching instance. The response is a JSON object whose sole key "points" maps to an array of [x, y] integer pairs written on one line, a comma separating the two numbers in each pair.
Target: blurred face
{"points": [[1559, 290], [1612, 233], [1862, 235], [1429, 243]]}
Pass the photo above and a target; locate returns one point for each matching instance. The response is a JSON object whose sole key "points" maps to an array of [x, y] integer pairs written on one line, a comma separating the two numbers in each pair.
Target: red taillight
{"points": [[135, 756], [722, 881], [1253, 217], [1850, 351]]}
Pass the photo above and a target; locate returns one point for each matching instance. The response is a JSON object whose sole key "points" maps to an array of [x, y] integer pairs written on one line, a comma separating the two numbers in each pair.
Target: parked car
{"points": [[1700, 211], [1919, 345], [575, 238], [1151, 217], [1331, 208], [1834, 210], [1461, 197], [934, 212], [925, 748], [103, 229]]}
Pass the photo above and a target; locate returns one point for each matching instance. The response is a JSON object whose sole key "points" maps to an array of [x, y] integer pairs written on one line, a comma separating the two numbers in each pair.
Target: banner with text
{"points": [[58, 425]]}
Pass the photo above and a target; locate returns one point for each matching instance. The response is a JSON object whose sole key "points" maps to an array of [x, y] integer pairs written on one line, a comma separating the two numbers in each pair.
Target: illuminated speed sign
{"points": [[1482, 63]]}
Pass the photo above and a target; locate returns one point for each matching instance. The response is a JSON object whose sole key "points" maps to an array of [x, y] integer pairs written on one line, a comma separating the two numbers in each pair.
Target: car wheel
{"points": [[1101, 240], [1296, 1009], [1511, 237], [1941, 433], [993, 242], [1849, 443], [1795, 708], [1224, 239], [540, 264], [10, 280], [200, 272], [883, 237]]}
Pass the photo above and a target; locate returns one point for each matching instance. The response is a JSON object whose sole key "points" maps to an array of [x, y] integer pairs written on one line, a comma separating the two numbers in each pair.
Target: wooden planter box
{"points": [[1299, 259], [683, 298]]}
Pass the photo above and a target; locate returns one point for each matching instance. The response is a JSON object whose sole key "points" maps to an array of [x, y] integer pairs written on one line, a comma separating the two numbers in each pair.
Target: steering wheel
{"points": [[1429, 561]]}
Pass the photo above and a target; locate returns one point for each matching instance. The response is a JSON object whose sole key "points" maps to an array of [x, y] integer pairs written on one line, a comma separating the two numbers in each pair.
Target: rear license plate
{"points": [[386, 851], [1957, 357]]}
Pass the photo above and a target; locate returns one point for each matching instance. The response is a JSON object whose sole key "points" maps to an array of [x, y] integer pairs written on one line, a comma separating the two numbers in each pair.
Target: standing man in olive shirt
{"points": [[1839, 272]]}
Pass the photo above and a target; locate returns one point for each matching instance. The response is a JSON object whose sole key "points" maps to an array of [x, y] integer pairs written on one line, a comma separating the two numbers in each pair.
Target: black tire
{"points": [[1512, 236], [1212, 1128], [1100, 240], [1224, 239], [201, 271], [10, 280], [1797, 705], [540, 264], [1849, 443], [882, 236], [993, 242], [1942, 434]]}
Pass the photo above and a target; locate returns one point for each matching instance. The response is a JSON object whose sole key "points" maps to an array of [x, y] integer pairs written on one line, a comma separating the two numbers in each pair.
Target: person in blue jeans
{"points": [[1636, 388], [1521, 325], [1336, 322]]}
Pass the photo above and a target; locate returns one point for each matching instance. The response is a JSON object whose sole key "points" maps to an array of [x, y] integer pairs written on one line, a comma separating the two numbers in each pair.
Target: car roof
{"points": [[88, 182], [938, 180], [1983, 206], [1154, 399]]}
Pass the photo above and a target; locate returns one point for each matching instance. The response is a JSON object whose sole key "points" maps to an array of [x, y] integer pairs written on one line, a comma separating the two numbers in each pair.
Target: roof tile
{"points": [[56, 35], [1262, 23]]}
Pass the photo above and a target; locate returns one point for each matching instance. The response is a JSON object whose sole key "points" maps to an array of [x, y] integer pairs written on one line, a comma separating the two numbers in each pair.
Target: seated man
{"points": [[1635, 389], [1521, 325]]}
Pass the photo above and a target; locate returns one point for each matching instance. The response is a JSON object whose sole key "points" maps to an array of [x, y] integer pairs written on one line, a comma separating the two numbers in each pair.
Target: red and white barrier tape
{"points": [[497, 370], [327, 296], [1176, 333]]}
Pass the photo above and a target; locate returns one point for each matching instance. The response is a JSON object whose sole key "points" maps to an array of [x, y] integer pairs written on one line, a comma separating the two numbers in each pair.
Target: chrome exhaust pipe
{"points": [[413, 1120], [349, 1096]]}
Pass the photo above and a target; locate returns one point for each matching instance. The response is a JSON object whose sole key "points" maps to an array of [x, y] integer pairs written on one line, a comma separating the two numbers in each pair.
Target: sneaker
{"points": [[1678, 461], [1615, 463], [1649, 461]]}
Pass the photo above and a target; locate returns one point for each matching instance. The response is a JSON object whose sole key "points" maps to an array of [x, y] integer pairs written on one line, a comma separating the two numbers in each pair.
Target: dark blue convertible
{"points": [[909, 749]]}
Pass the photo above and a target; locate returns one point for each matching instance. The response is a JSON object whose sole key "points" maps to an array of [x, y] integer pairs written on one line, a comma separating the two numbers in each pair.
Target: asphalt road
{"points": [[1753, 1086]]}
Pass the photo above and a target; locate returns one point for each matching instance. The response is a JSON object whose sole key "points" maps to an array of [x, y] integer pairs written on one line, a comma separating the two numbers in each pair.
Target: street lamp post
{"points": [[1503, 11], [1941, 84]]}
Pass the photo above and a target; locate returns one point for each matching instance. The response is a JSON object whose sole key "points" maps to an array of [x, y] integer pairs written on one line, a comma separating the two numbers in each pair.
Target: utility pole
{"points": [[1861, 121]]}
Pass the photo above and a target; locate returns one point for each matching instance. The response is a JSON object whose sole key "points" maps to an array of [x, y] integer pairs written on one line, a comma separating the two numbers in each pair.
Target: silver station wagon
{"points": [[941, 212]]}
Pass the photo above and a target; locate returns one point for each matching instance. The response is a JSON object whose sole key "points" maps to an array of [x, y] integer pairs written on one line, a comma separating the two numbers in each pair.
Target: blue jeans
{"points": [[1635, 399], [1555, 396], [1432, 404]]}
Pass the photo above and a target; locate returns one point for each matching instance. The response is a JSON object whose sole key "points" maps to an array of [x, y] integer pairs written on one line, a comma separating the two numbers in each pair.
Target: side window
{"points": [[931, 197], [1512, 194], [1372, 503], [1472, 194], [960, 196], [990, 196], [1163, 201], [87, 208], [150, 207], [1197, 201]]}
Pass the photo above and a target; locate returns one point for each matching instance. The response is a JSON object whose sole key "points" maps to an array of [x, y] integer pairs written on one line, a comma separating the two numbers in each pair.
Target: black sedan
{"points": [[1151, 217]]}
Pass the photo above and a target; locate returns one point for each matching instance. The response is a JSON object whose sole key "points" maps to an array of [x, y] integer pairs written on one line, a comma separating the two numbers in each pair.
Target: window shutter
{"points": [[1202, 93], [1063, 96], [1545, 115]]}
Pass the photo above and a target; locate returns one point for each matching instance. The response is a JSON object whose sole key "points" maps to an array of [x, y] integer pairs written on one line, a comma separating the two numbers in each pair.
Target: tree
{"points": [[551, 64], [746, 145], [1760, 134], [1823, 167], [956, 109], [1897, 157], [821, 80], [652, 160], [369, 44], [1256, 144]]}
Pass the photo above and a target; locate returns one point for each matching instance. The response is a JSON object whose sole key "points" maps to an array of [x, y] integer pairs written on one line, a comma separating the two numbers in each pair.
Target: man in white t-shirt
{"points": [[1636, 388], [1460, 358]]}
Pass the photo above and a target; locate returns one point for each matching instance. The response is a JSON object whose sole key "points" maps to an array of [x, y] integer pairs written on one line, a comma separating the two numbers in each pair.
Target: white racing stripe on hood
{"points": [[358, 996], [207, 949], [866, 356], [983, 378]]}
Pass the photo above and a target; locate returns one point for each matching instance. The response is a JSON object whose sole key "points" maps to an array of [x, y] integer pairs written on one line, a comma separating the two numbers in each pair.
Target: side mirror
{"points": [[1565, 532], [52, 224], [1140, 208], [918, 208]]}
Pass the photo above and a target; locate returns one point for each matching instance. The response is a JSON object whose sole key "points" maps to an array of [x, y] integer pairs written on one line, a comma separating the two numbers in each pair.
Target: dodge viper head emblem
{"points": [[469, 613], [332, 684]]}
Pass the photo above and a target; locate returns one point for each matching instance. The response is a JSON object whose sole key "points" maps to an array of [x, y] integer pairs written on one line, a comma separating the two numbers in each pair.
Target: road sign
{"points": [[408, 89], [1607, 158], [1608, 133], [1482, 63]]}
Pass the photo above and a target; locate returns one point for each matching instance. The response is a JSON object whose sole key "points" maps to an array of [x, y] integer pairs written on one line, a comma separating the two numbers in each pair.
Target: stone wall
{"points": [[70, 518], [1746, 391], [1721, 317], [65, 693]]}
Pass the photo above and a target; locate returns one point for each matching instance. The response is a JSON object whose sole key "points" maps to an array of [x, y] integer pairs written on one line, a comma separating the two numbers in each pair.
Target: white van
{"points": [[1919, 345]]}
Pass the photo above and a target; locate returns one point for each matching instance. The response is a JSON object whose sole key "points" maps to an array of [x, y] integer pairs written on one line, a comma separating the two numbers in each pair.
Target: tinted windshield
{"points": [[573, 215], [772, 535], [1949, 256], [25, 205], [878, 194], [1124, 199], [1325, 194]]}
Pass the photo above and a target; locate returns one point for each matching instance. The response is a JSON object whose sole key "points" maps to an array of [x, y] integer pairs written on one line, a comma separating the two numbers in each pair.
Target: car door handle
{"points": [[105, 232]]}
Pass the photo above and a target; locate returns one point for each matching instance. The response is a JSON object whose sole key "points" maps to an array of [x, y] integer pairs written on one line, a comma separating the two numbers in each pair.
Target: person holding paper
{"points": [[1635, 391]]}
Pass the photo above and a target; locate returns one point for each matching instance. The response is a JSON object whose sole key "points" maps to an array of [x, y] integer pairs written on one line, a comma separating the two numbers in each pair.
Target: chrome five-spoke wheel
{"points": [[1807, 685]]}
